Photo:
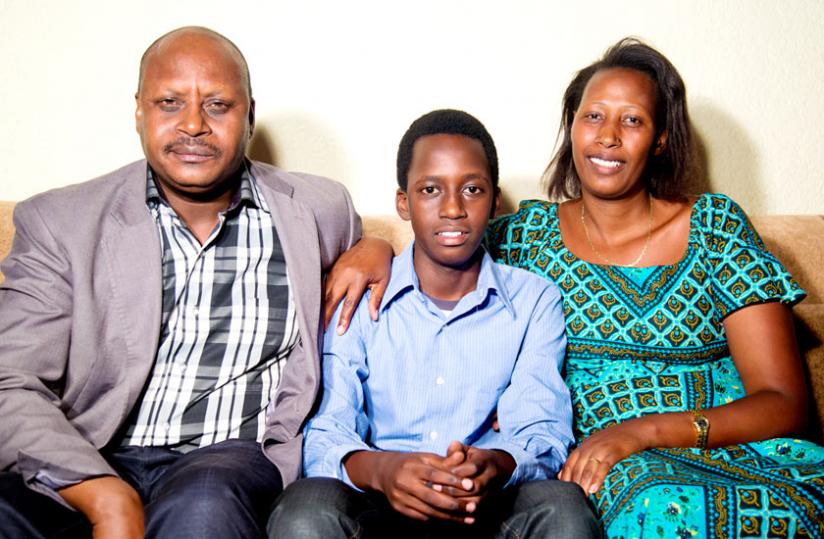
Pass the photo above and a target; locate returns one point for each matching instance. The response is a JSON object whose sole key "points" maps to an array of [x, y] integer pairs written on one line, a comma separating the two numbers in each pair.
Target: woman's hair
{"points": [[667, 174]]}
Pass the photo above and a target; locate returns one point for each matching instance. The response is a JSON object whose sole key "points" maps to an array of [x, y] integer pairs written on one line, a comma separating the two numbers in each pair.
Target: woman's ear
{"points": [[660, 144], [402, 204]]}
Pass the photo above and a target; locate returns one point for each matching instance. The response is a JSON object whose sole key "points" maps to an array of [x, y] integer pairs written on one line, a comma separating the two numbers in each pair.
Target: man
{"points": [[159, 322], [402, 444]]}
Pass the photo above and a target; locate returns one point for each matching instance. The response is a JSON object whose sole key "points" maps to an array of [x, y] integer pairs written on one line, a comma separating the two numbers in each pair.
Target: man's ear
{"points": [[661, 143], [138, 113], [251, 117], [402, 204]]}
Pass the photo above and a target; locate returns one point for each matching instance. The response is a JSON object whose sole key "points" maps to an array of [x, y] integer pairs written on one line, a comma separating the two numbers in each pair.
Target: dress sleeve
{"points": [[743, 272], [514, 238]]}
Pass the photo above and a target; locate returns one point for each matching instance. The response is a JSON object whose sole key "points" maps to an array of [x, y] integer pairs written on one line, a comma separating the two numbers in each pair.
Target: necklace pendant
{"points": [[609, 262]]}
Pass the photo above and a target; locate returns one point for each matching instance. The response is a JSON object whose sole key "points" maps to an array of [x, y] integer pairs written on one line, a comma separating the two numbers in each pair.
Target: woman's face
{"points": [[613, 132]]}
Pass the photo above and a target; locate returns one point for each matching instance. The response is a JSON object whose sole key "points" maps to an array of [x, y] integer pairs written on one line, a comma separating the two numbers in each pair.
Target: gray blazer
{"points": [[80, 316]]}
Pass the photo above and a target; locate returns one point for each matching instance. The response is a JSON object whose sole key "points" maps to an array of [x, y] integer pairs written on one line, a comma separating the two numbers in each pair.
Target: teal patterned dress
{"points": [[649, 340]]}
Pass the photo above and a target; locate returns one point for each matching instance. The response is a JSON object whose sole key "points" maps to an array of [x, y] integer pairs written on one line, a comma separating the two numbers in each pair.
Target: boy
{"points": [[402, 442]]}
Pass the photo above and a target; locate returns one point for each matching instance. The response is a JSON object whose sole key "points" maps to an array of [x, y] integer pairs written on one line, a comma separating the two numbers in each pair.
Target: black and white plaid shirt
{"points": [[228, 325]]}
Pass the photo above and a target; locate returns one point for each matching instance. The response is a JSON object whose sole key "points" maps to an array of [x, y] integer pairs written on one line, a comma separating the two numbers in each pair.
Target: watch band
{"points": [[702, 428]]}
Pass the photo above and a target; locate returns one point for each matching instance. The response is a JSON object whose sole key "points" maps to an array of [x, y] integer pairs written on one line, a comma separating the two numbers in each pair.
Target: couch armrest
{"points": [[809, 328]]}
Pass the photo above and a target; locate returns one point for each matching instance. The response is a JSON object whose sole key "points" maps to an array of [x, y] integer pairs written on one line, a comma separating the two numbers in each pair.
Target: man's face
{"points": [[449, 199], [194, 115]]}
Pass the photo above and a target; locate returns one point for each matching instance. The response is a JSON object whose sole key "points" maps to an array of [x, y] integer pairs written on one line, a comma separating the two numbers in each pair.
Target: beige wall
{"points": [[337, 83]]}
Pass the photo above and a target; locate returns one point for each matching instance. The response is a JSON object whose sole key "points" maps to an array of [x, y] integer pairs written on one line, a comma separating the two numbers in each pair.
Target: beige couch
{"points": [[797, 240]]}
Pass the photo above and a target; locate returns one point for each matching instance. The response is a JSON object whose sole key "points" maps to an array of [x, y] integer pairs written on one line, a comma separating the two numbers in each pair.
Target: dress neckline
{"points": [[556, 241]]}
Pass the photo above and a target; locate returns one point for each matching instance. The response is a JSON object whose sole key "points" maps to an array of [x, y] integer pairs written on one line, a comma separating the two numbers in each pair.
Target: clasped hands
{"points": [[426, 486]]}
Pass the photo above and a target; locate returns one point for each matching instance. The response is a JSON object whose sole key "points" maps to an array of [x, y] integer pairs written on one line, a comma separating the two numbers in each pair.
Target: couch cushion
{"points": [[798, 241]]}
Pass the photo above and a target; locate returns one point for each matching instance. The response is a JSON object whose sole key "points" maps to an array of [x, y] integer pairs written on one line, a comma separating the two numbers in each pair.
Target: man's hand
{"points": [[112, 506], [481, 470], [413, 483], [590, 462], [366, 265]]}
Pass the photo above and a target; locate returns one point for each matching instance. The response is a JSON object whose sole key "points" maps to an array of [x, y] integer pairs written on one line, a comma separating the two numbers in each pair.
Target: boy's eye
{"points": [[472, 189], [429, 190]]}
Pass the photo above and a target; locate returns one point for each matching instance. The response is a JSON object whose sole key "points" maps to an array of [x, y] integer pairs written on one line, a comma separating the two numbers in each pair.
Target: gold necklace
{"points": [[607, 260]]}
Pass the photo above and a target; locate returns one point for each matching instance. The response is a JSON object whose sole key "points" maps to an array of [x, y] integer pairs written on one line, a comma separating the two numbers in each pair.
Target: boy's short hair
{"points": [[446, 122]]}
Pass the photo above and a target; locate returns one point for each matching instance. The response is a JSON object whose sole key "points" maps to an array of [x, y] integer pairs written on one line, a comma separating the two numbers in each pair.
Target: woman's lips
{"points": [[604, 165]]}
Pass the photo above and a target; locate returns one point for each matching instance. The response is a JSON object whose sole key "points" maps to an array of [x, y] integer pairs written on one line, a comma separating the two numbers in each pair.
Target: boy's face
{"points": [[449, 199]]}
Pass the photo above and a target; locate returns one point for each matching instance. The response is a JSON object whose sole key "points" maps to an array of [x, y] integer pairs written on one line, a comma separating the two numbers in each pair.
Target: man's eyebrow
{"points": [[162, 92], [223, 93]]}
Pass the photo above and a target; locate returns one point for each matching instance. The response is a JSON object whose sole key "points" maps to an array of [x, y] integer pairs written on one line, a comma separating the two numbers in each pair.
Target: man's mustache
{"points": [[186, 144]]}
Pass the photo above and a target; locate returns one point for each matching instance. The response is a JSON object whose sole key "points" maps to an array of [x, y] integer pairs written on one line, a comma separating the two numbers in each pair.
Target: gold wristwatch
{"points": [[702, 428]]}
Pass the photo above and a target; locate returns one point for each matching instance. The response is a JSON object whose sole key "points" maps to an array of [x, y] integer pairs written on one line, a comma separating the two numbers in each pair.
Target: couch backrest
{"points": [[797, 240], [6, 230]]}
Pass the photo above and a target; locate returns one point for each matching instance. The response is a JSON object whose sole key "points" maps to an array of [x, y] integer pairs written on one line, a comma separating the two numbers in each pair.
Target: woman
{"points": [[681, 355]]}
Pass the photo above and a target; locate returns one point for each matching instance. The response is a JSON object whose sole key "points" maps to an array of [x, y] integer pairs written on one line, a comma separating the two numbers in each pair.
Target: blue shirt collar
{"points": [[404, 279]]}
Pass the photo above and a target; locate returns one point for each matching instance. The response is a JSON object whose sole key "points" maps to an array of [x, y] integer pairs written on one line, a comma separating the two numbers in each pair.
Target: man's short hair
{"points": [[445, 122], [195, 30]]}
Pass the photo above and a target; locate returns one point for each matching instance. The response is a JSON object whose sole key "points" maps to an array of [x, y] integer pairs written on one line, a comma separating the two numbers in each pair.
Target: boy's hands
{"points": [[415, 484], [424, 486], [481, 470]]}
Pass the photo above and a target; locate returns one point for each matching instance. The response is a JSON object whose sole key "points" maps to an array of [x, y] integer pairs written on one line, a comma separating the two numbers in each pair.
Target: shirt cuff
{"points": [[54, 483], [333, 463], [527, 467]]}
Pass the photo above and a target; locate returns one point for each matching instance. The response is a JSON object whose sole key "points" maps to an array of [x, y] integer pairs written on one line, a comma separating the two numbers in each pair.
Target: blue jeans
{"points": [[326, 508], [224, 490]]}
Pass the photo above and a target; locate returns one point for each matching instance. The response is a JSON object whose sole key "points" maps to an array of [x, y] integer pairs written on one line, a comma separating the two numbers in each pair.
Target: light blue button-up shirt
{"points": [[417, 379]]}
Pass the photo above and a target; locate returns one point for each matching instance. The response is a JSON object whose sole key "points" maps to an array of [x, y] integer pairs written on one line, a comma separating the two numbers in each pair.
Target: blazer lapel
{"points": [[298, 235], [133, 246]]}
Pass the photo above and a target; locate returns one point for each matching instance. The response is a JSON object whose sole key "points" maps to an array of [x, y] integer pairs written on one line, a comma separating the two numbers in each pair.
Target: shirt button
{"points": [[439, 381], [433, 435]]}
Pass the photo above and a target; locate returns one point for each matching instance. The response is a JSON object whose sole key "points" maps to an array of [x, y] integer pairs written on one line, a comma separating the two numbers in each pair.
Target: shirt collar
{"points": [[247, 192], [404, 279]]}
